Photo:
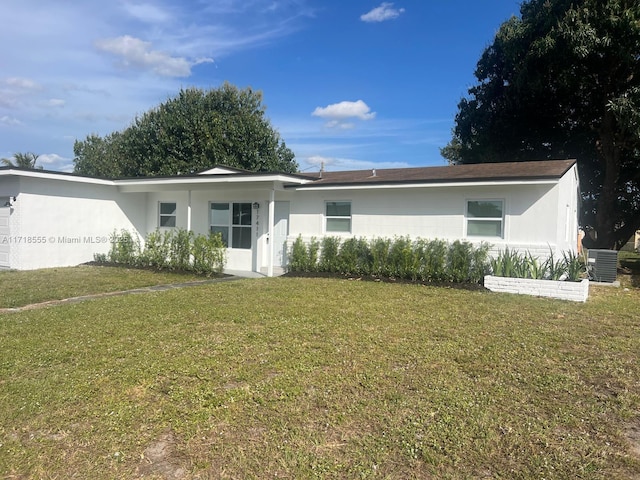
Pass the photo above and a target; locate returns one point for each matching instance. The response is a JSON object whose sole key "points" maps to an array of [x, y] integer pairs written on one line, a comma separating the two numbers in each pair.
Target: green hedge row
{"points": [[170, 250], [401, 257]]}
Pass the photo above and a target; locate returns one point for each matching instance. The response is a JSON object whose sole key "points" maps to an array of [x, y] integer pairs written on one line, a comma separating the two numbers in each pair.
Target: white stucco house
{"points": [[50, 219]]}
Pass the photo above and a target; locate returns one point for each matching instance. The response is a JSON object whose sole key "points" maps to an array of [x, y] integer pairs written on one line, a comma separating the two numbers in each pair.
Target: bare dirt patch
{"points": [[633, 436], [161, 458]]}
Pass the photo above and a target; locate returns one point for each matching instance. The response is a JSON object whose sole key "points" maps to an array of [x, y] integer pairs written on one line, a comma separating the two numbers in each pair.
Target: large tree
{"points": [[191, 132], [22, 160], [563, 81]]}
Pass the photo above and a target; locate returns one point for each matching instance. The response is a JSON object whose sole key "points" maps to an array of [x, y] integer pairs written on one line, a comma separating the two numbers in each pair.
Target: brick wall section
{"points": [[573, 291]]}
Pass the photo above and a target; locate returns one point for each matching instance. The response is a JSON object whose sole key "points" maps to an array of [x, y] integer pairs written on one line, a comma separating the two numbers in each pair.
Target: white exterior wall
{"points": [[57, 223], [64, 221], [533, 221], [255, 259]]}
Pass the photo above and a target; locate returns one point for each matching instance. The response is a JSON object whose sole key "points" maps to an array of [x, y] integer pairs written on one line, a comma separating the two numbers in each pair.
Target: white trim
{"points": [[270, 233], [326, 217], [160, 214], [189, 211], [55, 176], [374, 186], [503, 230]]}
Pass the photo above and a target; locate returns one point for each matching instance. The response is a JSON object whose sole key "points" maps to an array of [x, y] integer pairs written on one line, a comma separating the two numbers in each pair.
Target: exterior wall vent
{"points": [[603, 265]]}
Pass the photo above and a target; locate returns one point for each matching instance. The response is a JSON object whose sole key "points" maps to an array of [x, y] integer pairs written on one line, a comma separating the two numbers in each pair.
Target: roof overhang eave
{"points": [[378, 186]]}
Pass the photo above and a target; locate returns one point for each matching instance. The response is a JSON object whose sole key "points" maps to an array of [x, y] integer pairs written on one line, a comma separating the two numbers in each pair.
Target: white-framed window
{"points": [[167, 213], [485, 218], [338, 217], [233, 222]]}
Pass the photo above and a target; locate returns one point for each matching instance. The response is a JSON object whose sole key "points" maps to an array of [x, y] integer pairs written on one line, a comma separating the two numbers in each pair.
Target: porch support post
{"points": [[189, 211], [270, 232]]}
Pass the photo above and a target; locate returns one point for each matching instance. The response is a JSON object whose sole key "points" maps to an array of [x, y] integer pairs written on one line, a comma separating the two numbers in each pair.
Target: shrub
{"points": [[298, 256], [125, 249], [355, 257], [175, 249], [180, 249], [435, 261], [460, 261], [380, 256], [209, 254], [329, 261], [156, 250], [424, 260], [401, 258], [312, 255]]}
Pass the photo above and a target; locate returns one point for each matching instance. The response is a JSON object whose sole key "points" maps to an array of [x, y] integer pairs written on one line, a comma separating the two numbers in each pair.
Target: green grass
{"points": [[21, 288], [322, 378]]}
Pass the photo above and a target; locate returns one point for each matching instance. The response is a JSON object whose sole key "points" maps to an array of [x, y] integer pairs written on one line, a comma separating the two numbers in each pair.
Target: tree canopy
{"points": [[191, 132], [563, 81], [22, 160]]}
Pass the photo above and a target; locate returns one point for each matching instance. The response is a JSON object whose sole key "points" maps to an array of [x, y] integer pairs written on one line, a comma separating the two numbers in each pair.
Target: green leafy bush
{"points": [[156, 250], [180, 249], [329, 261], [125, 249], [172, 249], [208, 254], [380, 256], [355, 257], [424, 260]]}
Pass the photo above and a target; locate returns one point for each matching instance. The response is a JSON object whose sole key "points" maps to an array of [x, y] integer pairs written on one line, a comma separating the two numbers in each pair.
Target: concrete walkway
{"points": [[153, 288]]}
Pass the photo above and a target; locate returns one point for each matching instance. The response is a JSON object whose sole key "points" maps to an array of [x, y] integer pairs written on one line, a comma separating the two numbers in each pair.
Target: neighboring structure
{"points": [[50, 219], [633, 245]]}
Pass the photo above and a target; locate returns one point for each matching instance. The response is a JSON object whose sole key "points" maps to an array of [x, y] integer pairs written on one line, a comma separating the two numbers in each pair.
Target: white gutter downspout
{"points": [[270, 233], [189, 212]]}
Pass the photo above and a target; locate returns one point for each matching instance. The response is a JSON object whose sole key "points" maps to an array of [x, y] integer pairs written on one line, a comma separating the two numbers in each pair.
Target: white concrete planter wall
{"points": [[574, 291]]}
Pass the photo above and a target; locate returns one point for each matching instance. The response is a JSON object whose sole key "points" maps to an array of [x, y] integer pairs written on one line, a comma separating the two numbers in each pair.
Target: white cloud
{"points": [[340, 124], [22, 83], [337, 113], [10, 121], [146, 12], [53, 161], [55, 102], [315, 162], [384, 12], [344, 110], [138, 53]]}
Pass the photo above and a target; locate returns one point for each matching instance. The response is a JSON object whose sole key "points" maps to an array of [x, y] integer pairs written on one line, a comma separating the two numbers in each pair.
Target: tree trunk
{"points": [[607, 205]]}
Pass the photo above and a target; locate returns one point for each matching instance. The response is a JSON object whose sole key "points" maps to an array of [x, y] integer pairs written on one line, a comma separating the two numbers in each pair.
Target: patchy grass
{"points": [[322, 378], [21, 288]]}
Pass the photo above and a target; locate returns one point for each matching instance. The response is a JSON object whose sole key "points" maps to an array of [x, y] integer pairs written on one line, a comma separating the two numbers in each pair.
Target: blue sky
{"points": [[353, 84]]}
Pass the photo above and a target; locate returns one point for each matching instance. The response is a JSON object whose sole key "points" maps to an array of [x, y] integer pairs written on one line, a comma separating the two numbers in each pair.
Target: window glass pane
{"points": [[167, 221], [167, 209], [219, 214], [484, 228], [241, 214], [241, 237], [338, 209], [224, 231], [484, 209], [338, 224]]}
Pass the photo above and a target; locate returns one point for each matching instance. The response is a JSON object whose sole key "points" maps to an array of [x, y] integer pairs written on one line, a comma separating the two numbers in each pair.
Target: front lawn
{"points": [[322, 378], [21, 288]]}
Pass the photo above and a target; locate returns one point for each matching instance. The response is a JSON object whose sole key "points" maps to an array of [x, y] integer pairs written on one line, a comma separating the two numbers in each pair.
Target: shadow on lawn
{"points": [[374, 278]]}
